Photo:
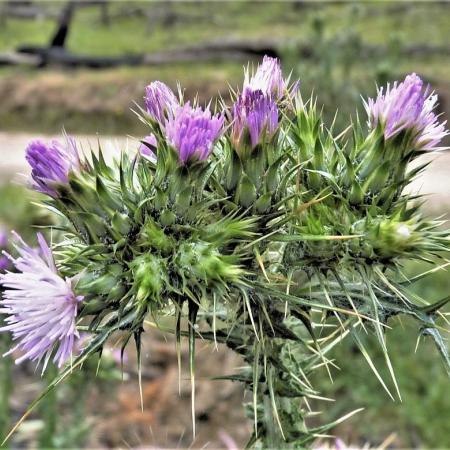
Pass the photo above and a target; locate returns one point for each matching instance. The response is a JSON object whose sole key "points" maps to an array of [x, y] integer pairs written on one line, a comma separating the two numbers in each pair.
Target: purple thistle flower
{"points": [[51, 164], [160, 101], [268, 78], [256, 114], [145, 149], [406, 106], [193, 132], [41, 306]]}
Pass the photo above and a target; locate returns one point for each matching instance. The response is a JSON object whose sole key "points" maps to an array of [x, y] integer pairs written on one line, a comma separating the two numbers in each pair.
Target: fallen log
{"points": [[19, 59], [232, 50], [212, 51]]}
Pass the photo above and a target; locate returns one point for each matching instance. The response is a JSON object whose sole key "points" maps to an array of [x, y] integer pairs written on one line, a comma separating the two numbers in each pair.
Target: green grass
{"points": [[87, 102], [217, 20]]}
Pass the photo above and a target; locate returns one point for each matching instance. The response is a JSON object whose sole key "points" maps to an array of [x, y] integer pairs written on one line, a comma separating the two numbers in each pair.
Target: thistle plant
{"points": [[252, 226]]}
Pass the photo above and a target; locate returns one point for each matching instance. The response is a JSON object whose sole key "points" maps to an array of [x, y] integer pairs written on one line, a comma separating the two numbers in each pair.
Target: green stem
{"points": [[278, 396]]}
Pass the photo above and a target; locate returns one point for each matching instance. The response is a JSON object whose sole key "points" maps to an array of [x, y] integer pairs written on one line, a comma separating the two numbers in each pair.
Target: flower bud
{"points": [[160, 101], [51, 164], [384, 238], [149, 276], [100, 283], [268, 78], [152, 235], [202, 261], [255, 120]]}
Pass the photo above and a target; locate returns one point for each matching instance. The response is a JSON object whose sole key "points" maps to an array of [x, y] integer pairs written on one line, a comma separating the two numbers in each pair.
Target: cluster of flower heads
{"points": [[192, 131], [41, 307]]}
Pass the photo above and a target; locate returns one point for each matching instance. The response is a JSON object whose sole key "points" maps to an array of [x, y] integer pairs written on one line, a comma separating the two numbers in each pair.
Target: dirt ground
{"points": [[166, 419], [112, 408]]}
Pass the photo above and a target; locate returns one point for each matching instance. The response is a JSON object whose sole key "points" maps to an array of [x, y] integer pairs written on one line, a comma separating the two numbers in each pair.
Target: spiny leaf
{"points": [[366, 355], [440, 344], [333, 424], [381, 340], [312, 237], [138, 341], [279, 295]]}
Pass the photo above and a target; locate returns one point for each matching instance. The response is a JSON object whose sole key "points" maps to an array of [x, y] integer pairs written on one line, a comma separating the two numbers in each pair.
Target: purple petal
{"points": [[268, 78], [193, 132], [160, 101], [51, 164], [255, 113]]}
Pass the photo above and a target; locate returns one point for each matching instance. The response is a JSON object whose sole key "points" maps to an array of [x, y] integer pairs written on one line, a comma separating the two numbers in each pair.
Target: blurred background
{"points": [[82, 65]]}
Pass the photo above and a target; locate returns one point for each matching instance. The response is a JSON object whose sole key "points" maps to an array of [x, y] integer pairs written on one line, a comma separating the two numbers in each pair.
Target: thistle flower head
{"points": [[268, 78], [52, 163], [160, 101], [41, 307], [193, 132], [147, 146], [407, 106], [256, 114]]}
